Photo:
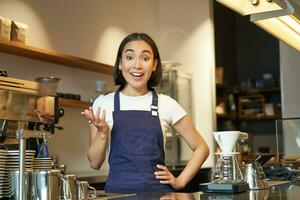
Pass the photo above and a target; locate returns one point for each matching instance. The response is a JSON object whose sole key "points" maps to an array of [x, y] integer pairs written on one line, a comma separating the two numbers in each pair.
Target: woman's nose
{"points": [[137, 64]]}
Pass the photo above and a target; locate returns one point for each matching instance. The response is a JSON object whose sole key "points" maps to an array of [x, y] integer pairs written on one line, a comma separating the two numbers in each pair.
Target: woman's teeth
{"points": [[136, 74]]}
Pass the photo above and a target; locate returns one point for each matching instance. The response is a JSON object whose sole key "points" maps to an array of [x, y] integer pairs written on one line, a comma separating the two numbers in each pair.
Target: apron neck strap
{"points": [[154, 105], [117, 100], [154, 97]]}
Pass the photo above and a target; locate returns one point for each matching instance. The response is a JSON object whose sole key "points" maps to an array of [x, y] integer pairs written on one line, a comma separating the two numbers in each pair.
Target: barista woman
{"points": [[130, 123]]}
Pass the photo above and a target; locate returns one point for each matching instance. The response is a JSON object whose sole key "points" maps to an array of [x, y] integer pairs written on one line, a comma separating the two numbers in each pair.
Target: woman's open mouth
{"points": [[136, 74]]}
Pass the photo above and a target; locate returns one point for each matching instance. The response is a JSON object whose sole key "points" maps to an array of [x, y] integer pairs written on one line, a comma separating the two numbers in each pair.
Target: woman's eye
{"points": [[145, 58], [129, 57]]}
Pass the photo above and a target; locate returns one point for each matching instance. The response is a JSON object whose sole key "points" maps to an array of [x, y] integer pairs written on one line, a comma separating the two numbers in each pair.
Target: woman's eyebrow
{"points": [[126, 50], [147, 51], [144, 51]]}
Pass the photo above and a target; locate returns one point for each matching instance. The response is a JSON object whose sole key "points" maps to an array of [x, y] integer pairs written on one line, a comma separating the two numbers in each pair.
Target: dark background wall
{"points": [[245, 52], [257, 52], [242, 48], [225, 42]]}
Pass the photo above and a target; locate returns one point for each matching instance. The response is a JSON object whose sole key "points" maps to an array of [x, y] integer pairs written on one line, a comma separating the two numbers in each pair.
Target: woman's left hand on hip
{"points": [[166, 177]]}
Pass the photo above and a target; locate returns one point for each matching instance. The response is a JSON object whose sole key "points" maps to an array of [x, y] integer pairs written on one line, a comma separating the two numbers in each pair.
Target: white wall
{"points": [[93, 29], [186, 36], [290, 71]]}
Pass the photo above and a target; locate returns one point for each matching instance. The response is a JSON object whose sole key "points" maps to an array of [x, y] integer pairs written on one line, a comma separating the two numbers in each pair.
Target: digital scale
{"points": [[224, 187]]}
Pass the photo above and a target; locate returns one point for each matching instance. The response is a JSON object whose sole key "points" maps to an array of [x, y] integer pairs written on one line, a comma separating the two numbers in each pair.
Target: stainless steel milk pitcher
{"points": [[45, 185], [83, 188], [68, 187]]}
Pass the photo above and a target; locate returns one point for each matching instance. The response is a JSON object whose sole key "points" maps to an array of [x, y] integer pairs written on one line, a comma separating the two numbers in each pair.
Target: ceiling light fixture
{"points": [[281, 18], [248, 7], [283, 24]]}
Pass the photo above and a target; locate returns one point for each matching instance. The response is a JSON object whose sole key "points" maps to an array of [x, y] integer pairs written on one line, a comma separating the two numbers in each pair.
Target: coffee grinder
{"points": [[228, 177]]}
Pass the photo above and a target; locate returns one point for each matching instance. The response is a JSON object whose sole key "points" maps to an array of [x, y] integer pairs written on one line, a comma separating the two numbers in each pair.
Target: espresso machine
{"points": [[228, 177], [25, 101]]}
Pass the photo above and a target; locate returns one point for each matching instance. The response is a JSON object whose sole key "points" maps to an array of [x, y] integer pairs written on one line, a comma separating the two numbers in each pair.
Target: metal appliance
{"points": [[45, 184], [255, 176], [83, 188], [68, 186], [177, 85], [27, 101]]}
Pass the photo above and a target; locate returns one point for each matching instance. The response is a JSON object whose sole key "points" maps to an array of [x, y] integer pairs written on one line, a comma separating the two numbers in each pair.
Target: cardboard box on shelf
{"points": [[19, 32], [251, 105], [5, 28], [219, 72], [269, 109]]}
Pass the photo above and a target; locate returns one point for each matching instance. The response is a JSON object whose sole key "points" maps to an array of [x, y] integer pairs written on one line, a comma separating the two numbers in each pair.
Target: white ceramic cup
{"points": [[226, 139], [99, 85]]}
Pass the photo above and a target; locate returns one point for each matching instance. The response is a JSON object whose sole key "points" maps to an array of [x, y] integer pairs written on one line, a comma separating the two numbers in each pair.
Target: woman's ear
{"points": [[155, 65], [120, 66]]}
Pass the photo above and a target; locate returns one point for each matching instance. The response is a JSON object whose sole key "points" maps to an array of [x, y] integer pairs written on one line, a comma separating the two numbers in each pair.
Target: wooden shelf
{"points": [[73, 103], [227, 116], [10, 141], [221, 86], [263, 90], [260, 118], [233, 117], [53, 57]]}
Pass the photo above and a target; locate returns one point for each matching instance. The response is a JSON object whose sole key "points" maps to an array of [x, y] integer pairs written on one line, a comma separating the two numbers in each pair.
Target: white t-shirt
{"points": [[168, 109]]}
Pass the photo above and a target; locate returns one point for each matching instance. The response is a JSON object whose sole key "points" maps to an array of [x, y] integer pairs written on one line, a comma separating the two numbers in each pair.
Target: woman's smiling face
{"points": [[137, 64]]}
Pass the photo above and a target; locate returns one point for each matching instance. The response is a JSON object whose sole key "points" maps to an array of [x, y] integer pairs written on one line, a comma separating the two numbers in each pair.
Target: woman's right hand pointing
{"points": [[96, 119]]}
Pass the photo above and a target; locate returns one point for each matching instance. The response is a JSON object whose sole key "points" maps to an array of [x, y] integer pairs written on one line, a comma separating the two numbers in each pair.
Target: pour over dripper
{"points": [[226, 139]]}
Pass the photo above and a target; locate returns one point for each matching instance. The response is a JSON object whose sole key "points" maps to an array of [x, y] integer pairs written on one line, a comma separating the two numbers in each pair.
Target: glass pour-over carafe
{"points": [[227, 169]]}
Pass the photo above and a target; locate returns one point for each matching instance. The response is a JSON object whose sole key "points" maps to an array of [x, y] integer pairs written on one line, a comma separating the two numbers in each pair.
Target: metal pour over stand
{"points": [[27, 101]]}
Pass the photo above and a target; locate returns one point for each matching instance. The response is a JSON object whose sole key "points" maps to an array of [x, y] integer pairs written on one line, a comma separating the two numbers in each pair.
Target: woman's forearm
{"points": [[199, 156], [97, 149], [197, 143]]}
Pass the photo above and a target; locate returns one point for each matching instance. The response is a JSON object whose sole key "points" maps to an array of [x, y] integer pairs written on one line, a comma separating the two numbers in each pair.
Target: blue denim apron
{"points": [[136, 148]]}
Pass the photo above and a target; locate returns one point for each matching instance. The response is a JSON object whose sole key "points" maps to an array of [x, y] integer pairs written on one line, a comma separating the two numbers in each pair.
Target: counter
{"points": [[282, 192], [203, 176]]}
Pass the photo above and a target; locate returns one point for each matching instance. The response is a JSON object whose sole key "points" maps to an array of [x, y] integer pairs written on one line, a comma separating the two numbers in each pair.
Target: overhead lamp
{"points": [[281, 18], [283, 24], [248, 7]]}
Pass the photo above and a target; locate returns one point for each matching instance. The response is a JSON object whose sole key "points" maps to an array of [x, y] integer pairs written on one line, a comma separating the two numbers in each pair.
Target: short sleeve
{"points": [[99, 102], [170, 109], [105, 102]]}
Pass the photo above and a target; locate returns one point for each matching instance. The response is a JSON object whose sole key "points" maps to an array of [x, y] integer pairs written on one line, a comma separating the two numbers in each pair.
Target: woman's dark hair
{"points": [[155, 76]]}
